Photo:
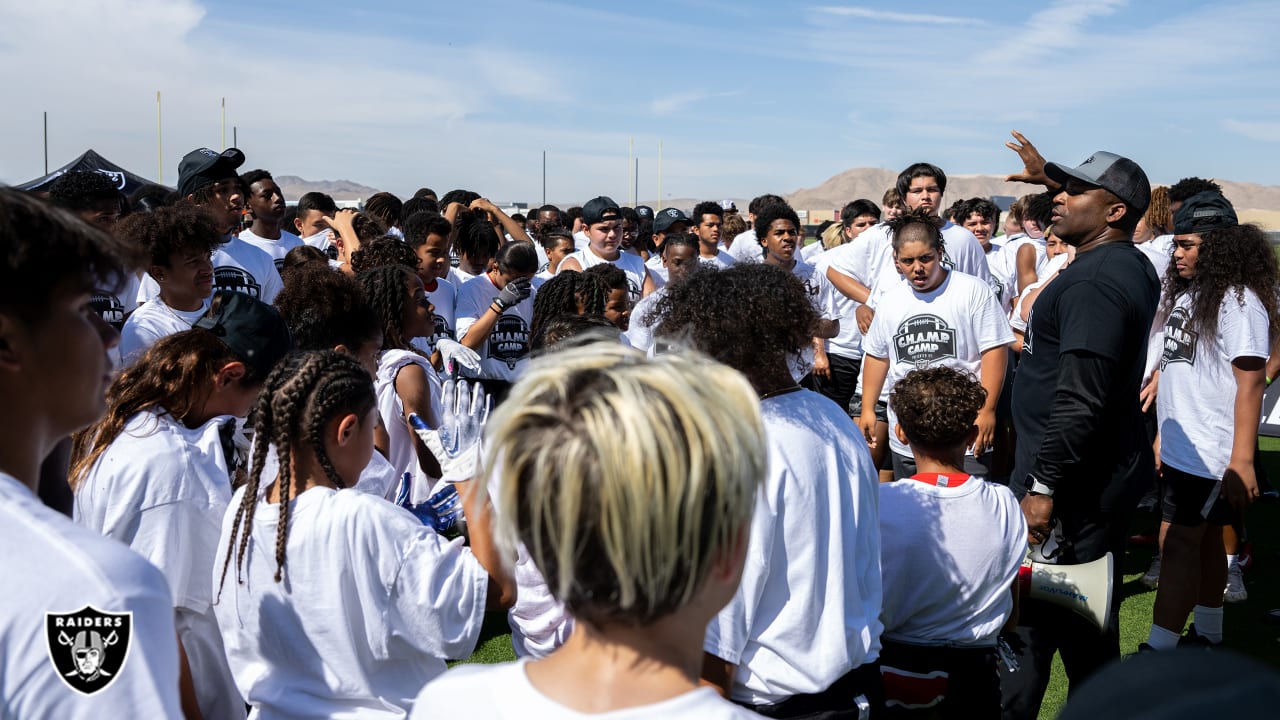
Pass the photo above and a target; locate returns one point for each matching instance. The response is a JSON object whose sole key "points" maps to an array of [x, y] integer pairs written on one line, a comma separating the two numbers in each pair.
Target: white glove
{"points": [[456, 443], [454, 353]]}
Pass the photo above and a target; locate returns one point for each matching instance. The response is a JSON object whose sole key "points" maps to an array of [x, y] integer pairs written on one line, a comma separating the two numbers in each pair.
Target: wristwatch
{"points": [[1035, 487]]}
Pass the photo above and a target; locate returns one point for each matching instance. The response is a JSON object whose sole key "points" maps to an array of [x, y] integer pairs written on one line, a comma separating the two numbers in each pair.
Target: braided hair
{"points": [[303, 393], [387, 290], [569, 292]]}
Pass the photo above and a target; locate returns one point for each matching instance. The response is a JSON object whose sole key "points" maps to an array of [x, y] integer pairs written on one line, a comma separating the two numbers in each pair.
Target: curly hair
{"points": [[303, 256], [1039, 209], [81, 190], [937, 406], [772, 212], [325, 309], [385, 207], [1186, 187], [167, 231], [933, 234], [303, 393], [387, 289], [1159, 216], [419, 225], [568, 293], [175, 374], [1230, 260], [747, 316], [565, 331], [383, 250]]}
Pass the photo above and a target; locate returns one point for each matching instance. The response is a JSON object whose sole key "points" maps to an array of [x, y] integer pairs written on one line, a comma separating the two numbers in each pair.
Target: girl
{"points": [[495, 311], [568, 293], [652, 545], [617, 301], [936, 317], [178, 243], [1220, 300], [156, 471], [337, 603]]}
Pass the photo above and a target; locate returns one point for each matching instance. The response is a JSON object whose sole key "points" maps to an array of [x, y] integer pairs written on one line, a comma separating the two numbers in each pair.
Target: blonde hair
{"points": [[625, 477]]}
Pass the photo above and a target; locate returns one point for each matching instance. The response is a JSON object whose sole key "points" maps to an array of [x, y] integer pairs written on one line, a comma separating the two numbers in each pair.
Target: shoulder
{"points": [[468, 681]]}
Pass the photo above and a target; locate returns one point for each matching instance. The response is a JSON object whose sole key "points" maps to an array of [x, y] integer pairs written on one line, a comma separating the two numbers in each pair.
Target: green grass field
{"points": [[1244, 625]]}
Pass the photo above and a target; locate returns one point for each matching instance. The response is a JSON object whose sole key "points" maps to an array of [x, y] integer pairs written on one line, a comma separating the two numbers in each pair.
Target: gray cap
{"points": [[1109, 171]]}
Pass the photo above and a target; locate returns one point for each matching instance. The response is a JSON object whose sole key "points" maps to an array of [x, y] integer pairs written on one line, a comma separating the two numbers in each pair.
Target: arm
{"points": [[649, 285], [451, 212], [848, 286], [821, 363], [509, 226], [1026, 264], [874, 371], [479, 513], [475, 336], [1240, 482], [991, 375], [415, 396], [571, 263], [186, 686], [347, 241]]}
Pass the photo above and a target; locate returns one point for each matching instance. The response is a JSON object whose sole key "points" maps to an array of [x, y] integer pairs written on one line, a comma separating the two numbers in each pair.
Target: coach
{"points": [[1082, 459]]}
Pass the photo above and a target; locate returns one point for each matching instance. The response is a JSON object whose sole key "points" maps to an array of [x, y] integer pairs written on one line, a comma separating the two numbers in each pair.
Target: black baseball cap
{"points": [[1109, 171], [1203, 212], [645, 212], [600, 209], [665, 218], [253, 330], [203, 166]]}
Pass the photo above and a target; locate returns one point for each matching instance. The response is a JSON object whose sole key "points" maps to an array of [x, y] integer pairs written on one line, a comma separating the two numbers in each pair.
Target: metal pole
{"points": [[544, 177], [235, 142], [636, 200], [659, 174], [46, 142], [159, 146], [631, 189], [224, 123]]}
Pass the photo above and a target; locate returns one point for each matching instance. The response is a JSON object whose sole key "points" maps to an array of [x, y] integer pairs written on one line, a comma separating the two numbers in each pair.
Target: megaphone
{"points": [[1084, 589]]}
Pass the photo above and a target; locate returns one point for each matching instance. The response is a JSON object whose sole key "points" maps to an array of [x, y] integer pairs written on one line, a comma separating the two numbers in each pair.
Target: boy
{"points": [[557, 244], [953, 628], [95, 198], [266, 202], [603, 220], [88, 624], [428, 234], [707, 218], [310, 222]]}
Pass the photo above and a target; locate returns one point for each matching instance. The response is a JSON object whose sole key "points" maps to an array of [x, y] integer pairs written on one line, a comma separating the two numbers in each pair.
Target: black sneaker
{"points": [[1194, 639]]}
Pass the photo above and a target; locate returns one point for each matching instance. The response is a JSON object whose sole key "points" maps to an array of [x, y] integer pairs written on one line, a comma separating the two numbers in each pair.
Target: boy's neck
{"points": [[180, 303], [947, 463], [265, 229]]}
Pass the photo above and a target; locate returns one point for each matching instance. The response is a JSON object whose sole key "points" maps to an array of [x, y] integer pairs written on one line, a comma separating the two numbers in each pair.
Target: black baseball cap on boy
{"points": [[253, 330], [203, 166], [665, 218], [1203, 212], [600, 209]]}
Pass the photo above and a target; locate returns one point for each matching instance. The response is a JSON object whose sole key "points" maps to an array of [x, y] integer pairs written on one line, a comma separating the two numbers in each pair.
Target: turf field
{"points": [[1245, 624]]}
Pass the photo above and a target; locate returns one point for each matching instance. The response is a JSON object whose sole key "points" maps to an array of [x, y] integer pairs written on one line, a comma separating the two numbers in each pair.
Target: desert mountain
{"points": [[295, 187]]}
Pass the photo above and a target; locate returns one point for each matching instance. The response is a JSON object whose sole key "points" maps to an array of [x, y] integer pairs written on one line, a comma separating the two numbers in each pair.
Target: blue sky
{"points": [[746, 97]]}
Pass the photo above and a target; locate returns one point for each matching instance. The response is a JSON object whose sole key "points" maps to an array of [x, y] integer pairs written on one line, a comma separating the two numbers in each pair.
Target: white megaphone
{"points": [[1084, 589]]}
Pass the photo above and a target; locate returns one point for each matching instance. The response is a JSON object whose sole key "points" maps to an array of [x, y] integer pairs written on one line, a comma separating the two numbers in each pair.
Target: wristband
{"points": [[1268, 382], [1035, 487]]}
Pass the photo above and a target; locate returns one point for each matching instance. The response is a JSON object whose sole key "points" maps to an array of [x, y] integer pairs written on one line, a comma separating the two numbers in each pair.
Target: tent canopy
{"points": [[91, 161]]}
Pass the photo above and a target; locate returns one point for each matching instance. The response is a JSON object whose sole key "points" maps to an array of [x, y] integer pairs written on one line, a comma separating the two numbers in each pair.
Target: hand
{"points": [[441, 512], [513, 293], [1032, 163], [1240, 484], [1038, 509], [456, 443], [867, 423], [482, 205], [986, 433], [342, 220], [1148, 394], [864, 315], [453, 353], [821, 364]]}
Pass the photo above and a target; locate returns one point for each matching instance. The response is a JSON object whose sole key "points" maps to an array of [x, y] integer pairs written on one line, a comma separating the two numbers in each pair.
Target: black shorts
{"points": [[1190, 500], [882, 410]]}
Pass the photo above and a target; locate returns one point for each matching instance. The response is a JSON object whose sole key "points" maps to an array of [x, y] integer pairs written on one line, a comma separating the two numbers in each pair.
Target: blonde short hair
{"points": [[624, 476]]}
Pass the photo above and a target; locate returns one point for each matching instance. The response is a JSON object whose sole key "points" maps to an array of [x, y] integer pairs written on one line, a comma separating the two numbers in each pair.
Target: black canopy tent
{"points": [[90, 161]]}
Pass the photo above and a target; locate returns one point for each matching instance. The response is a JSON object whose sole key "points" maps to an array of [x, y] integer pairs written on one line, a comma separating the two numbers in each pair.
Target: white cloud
{"points": [[1264, 131], [669, 104], [896, 17]]}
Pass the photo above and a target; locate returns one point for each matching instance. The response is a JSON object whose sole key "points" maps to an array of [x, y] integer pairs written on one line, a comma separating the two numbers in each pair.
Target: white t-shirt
{"points": [[951, 325], [459, 277], [114, 306], [372, 604], [52, 565], [848, 343], [402, 451], [237, 266], [444, 299], [506, 352], [721, 260], [630, 264], [1197, 386], [1004, 274], [503, 692], [640, 332], [277, 249], [965, 545], [746, 247], [1011, 249], [822, 294], [152, 321], [808, 608], [1159, 251], [162, 489], [580, 240], [963, 253], [811, 252], [656, 269]]}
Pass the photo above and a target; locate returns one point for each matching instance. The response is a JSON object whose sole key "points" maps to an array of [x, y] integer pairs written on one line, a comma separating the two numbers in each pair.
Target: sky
{"points": [[744, 97]]}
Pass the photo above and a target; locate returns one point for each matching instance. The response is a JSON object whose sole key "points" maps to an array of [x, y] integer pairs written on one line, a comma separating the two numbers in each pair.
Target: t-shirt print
{"points": [[509, 341], [230, 277], [922, 340], [1179, 339]]}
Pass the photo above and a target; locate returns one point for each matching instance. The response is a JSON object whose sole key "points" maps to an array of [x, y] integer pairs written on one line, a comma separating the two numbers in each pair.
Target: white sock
{"points": [[1231, 560], [1162, 639], [1208, 623]]}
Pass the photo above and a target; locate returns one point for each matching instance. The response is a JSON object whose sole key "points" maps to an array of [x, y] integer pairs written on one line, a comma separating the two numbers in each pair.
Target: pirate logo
{"points": [[633, 290], [108, 307], [1026, 341], [509, 341], [230, 277], [1179, 340], [811, 286], [442, 330], [115, 177], [923, 340], [88, 648], [279, 264], [997, 288]]}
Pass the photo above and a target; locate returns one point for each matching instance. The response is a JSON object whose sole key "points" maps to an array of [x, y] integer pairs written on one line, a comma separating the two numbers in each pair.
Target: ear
{"points": [[191, 198], [232, 372], [340, 348], [12, 332], [902, 436], [729, 560], [1116, 212], [156, 272], [297, 224], [348, 429]]}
